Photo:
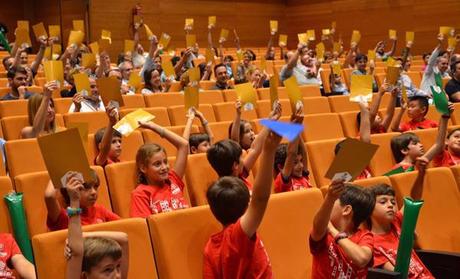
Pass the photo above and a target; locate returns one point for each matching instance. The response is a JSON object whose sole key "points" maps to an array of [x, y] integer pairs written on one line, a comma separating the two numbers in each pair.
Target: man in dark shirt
{"points": [[221, 78], [17, 79], [453, 86]]}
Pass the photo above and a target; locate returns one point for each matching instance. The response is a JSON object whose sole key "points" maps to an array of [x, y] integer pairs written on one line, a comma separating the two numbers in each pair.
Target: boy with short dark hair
{"points": [[237, 250], [198, 142], [108, 141], [417, 108], [340, 248]]}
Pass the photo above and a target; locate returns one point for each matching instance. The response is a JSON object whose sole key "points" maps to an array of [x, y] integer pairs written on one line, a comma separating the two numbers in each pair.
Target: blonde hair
{"points": [[144, 153], [33, 105], [95, 249]]}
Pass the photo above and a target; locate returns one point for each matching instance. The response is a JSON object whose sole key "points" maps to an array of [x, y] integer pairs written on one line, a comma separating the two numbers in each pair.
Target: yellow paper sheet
{"points": [[94, 47], [129, 46], [191, 97], [239, 55], [54, 31], [274, 83], [189, 22], [361, 88], [57, 49], [168, 68], [247, 94], [410, 35], [148, 31], [282, 40], [391, 61], [106, 34], [274, 26], [109, 89], [76, 37], [303, 39], [371, 54], [336, 68], [135, 80], [164, 40], [452, 42], [82, 130], [60, 159], [293, 91], [48, 53], [82, 83], [311, 35], [392, 34], [78, 25], [336, 47], [88, 60], [54, 70], [356, 36], [404, 95], [223, 34], [210, 56], [392, 76], [194, 74], [326, 31], [130, 122], [320, 48], [39, 30], [263, 64], [22, 37], [190, 40], [24, 24], [446, 30], [212, 21]]}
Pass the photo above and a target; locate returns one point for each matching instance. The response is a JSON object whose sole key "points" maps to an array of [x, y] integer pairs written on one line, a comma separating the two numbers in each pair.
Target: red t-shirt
{"points": [[329, 260], [232, 254], [8, 249], [152, 199], [366, 173], [292, 183], [446, 159], [412, 125], [243, 176], [108, 162], [92, 215], [386, 248]]}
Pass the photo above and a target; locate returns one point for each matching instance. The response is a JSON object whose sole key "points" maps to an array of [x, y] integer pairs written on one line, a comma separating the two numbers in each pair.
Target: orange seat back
{"points": [[62, 105], [383, 159], [342, 104], [227, 111], [210, 97], [177, 114], [5, 188], [321, 154], [312, 105], [315, 128], [133, 101], [152, 137], [349, 123], [24, 156], [95, 120], [13, 108], [199, 175], [12, 126], [164, 99]]}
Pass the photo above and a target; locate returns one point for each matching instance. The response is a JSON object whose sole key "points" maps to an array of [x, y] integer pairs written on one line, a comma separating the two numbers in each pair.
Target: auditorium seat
{"points": [[264, 93], [13, 125], [33, 186], [177, 114], [264, 108], [310, 91], [219, 129], [437, 225], [95, 120], [207, 84], [456, 171], [230, 95], [383, 159], [321, 154], [325, 78], [456, 115], [227, 111], [415, 77], [210, 97], [62, 105], [373, 181], [152, 137], [349, 123], [199, 175], [5, 188], [164, 99], [322, 126], [23, 156], [342, 104], [141, 261], [133, 101], [313, 105], [13, 108], [160, 113]]}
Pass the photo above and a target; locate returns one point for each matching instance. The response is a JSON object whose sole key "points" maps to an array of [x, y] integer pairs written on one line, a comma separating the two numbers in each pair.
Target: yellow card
{"points": [[223, 34], [60, 159], [336, 68], [210, 56], [361, 88], [135, 80], [392, 34], [336, 47], [191, 97], [452, 42], [48, 53], [104, 44], [274, 26], [129, 46], [54, 31], [263, 63], [189, 22], [239, 55], [404, 94], [106, 34], [294, 94], [326, 32], [446, 30], [190, 40], [356, 36], [247, 94], [76, 37], [148, 31], [311, 35], [320, 48], [164, 40], [39, 30], [130, 122], [82, 130], [54, 70], [354, 156], [371, 54], [212, 21], [194, 74], [82, 83], [393, 73], [282, 40], [303, 39], [274, 83], [57, 49], [410, 36], [109, 89], [94, 47], [88, 60], [391, 62], [22, 37], [23, 24], [168, 68], [78, 25]]}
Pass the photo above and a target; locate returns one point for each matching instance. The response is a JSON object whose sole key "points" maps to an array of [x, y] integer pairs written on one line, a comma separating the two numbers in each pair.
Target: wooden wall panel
{"points": [[10, 12]]}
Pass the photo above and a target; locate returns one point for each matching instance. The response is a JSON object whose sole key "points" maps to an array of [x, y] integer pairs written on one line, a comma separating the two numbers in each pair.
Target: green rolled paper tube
{"points": [[4, 42], [406, 239], [18, 220]]}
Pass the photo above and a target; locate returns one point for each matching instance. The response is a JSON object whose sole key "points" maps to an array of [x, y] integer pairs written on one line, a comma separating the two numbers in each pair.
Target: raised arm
{"points": [[188, 125], [393, 48], [106, 142], [237, 40], [270, 44], [52, 204], [365, 125], [293, 60], [390, 108], [253, 216], [374, 110], [293, 147], [41, 52], [205, 125], [397, 121], [74, 234], [210, 43], [184, 58], [438, 147], [416, 191], [23, 267], [179, 142], [434, 55], [406, 53], [235, 131]]}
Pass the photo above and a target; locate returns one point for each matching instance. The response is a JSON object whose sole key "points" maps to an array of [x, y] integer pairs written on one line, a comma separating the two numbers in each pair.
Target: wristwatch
{"points": [[340, 236], [73, 211]]}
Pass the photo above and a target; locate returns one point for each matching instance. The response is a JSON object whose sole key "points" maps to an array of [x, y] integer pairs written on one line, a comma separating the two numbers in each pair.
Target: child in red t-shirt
{"points": [[406, 148], [417, 108], [92, 254], [160, 188], [12, 258], [92, 213], [237, 251], [385, 224], [450, 156], [198, 142], [108, 141], [291, 167], [340, 248]]}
